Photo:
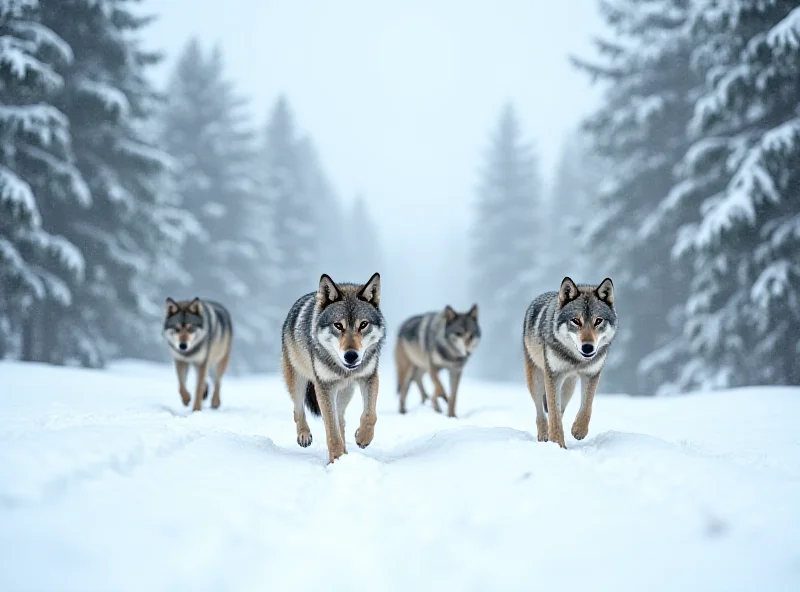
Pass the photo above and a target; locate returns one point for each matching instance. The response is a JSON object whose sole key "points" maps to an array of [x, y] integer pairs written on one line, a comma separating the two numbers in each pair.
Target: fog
{"points": [[400, 99]]}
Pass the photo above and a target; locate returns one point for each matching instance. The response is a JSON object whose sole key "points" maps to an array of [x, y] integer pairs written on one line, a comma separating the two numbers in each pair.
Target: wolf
{"points": [[567, 335], [331, 341], [200, 333], [430, 342]]}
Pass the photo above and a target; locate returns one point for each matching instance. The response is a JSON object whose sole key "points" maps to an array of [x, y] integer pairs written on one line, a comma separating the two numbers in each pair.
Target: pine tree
{"points": [[329, 257], [364, 251], [569, 210], [37, 167], [506, 272], [129, 232], [639, 133], [207, 131], [295, 214], [743, 169]]}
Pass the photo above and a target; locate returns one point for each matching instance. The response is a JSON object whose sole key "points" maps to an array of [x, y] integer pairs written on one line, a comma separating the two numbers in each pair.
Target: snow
{"points": [[113, 99], [16, 54], [17, 194], [45, 121], [43, 37], [783, 37], [108, 482]]}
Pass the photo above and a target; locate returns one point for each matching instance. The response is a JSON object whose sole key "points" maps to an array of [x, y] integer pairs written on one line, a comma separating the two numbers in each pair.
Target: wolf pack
{"points": [[332, 338]]}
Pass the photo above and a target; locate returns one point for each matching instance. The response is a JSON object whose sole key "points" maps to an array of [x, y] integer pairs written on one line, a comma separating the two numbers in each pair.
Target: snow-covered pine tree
{"points": [[743, 170], [37, 267], [639, 135], [364, 251], [208, 132], [130, 228], [569, 211], [506, 262], [329, 219], [296, 215]]}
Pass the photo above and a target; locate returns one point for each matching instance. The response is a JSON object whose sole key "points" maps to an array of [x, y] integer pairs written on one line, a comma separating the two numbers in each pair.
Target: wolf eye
{"points": [[363, 325], [339, 326], [576, 322], [598, 322]]}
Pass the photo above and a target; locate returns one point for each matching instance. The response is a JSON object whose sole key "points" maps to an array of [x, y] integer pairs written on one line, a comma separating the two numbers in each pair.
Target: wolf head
{"points": [[184, 325], [586, 319], [462, 330], [349, 324]]}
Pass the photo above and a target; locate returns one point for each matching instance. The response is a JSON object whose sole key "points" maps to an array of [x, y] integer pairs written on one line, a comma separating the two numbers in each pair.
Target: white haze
{"points": [[400, 98]]}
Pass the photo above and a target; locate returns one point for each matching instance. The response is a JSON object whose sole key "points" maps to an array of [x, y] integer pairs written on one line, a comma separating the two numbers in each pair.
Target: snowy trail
{"points": [[108, 483]]}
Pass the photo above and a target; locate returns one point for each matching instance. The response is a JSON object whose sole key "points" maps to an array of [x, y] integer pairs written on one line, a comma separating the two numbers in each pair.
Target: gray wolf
{"points": [[567, 335], [331, 341], [199, 333], [430, 342]]}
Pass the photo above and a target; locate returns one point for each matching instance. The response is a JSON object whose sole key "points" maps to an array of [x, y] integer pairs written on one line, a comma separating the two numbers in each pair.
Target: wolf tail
{"points": [[311, 399]]}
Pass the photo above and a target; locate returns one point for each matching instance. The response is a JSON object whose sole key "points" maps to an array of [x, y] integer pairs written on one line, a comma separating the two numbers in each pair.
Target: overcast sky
{"points": [[400, 96]]}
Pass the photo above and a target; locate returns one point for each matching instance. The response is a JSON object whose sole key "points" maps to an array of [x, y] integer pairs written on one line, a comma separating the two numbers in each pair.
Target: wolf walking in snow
{"points": [[434, 341], [199, 333], [331, 342], [566, 335]]}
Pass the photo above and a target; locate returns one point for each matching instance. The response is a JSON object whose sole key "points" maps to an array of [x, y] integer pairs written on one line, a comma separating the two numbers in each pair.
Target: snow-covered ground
{"points": [[108, 483]]}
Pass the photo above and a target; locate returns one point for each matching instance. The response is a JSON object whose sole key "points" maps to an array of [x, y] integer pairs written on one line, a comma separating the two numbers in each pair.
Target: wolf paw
{"points": [[580, 430], [186, 398], [335, 452], [541, 430], [557, 436], [304, 439], [364, 436]]}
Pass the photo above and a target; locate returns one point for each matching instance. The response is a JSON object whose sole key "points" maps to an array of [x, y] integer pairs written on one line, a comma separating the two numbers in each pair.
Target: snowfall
{"points": [[108, 483]]}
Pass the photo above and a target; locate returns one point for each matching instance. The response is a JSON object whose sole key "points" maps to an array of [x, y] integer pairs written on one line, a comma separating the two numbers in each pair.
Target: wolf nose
{"points": [[587, 348], [351, 356], [182, 345]]}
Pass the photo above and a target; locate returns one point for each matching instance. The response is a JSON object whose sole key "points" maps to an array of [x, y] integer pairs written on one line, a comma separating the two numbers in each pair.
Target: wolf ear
{"points": [[328, 291], [567, 292], [371, 292], [449, 314], [194, 306], [605, 291], [172, 307], [473, 312]]}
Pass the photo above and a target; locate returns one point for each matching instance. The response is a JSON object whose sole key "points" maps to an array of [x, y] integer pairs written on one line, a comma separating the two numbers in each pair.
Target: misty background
{"points": [[399, 99], [469, 152]]}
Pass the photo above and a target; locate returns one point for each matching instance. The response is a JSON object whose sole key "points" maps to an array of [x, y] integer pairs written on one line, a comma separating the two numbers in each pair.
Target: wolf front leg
{"points": [[535, 379], [580, 427], [219, 372], [200, 391], [438, 389], [366, 427], [455, 379], [182, 369], [555, 426], [342, 401], [333, 437]]}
